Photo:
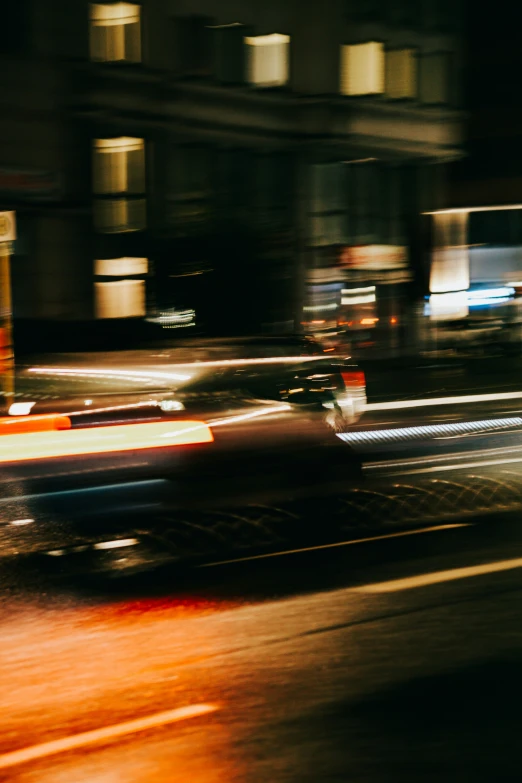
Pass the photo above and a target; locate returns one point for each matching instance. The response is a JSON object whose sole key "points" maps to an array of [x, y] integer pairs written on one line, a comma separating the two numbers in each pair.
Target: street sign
{"points": [[7, 227]]}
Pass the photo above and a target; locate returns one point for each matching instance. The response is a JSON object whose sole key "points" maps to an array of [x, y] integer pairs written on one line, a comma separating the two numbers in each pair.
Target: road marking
{"points": [[102, 735], [462, 465], [353, 541], [438, 577], [443, 458], [428, 403]]}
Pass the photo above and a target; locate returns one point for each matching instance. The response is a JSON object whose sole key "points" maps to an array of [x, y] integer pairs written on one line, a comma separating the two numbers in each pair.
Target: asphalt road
{"points": [[311, 667]]}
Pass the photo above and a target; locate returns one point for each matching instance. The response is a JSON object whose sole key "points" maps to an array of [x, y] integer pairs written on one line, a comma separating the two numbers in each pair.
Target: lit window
{"points": [[362, 69], [115, 32], [268, 59], [401, 73], [119, 166], [120, 267], [119, 172], [120, 299]]}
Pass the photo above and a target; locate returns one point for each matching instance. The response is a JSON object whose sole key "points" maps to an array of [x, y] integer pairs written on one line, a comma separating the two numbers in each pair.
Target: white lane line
{"points": [[501, 450], [438, 577], [428, 403], [462, 465], [101, 735], [352, 542]]}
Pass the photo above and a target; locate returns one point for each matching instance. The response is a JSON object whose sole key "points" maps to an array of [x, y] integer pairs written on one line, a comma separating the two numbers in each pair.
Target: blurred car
{"points": [[92, 447]]}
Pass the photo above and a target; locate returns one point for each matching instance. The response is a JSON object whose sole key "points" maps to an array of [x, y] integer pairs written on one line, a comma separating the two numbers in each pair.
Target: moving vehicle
{"points": [[94, 446]]}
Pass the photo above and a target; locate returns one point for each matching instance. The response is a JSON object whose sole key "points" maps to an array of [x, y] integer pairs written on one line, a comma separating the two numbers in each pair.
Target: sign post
{"points": [[7, 236]]}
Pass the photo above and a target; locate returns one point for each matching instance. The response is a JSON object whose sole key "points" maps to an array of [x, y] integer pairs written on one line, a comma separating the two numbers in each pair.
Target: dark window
{"points": [[492, 228], [228, 49], [193, 45]]}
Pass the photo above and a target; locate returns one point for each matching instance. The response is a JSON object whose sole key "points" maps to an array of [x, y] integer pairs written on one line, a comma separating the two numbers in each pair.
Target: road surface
{"points": [[397, 659]]}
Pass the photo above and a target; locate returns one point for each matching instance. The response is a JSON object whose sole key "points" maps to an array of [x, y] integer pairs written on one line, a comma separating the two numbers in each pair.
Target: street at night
{"points": [[260, 392]]}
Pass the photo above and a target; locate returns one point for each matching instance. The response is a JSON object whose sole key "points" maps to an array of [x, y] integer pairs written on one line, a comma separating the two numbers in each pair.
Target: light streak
{"points": [[337, 544], [66, 744], [465, 210], [429, 430], [436, 401], [251, 415], [20, 408], [438, 577], [134, 375], [353, 300], [102, 440], [353, 291], [29, 424], [117, 543]]}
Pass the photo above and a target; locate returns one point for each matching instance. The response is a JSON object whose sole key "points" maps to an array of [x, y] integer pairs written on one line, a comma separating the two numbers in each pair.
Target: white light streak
{"points": [[117, 543], [436, 401], [353, 300], [430, 431], [352, 291], [464, 210], [319, 308], [490, 293], [253, 362], [486, 302], [21, 408], [438, 577], [251, 415], [134, 375]]}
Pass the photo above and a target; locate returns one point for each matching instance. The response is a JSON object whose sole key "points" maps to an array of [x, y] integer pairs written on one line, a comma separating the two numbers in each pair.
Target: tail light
{"points": [[26, 424], [354, 380]]}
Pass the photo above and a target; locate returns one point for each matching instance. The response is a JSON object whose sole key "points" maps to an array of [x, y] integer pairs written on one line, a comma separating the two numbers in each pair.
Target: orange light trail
{"points": [[25, 424], [102, 440]]}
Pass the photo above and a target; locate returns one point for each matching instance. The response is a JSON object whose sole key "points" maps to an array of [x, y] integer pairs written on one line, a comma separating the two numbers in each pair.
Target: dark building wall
{"points": [[491, 173], [223, 159]]}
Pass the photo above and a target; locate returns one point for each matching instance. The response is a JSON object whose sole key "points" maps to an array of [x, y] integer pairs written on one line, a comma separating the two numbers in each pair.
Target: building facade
{"points": [[263, 164], [476, 265]]}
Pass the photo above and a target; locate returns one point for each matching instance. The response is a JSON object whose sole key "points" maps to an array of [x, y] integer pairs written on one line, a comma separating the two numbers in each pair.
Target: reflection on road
{"points": [[282, 670]]}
